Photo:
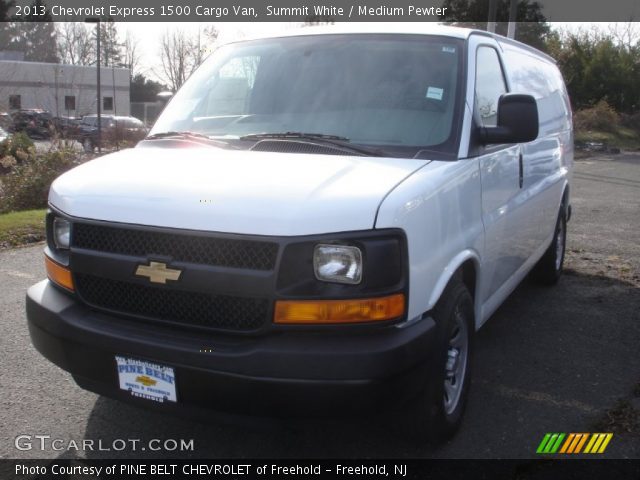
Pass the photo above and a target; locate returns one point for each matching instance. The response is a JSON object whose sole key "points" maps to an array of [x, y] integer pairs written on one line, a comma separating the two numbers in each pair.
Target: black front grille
{"points": [[180, 246], [185, 308]]}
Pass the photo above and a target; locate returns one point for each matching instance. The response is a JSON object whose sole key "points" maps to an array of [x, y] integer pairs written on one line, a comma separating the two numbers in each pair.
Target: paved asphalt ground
{"points": [[562, 359]]}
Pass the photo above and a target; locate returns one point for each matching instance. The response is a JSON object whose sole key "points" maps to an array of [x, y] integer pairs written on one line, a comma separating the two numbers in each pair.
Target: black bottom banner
{"points": [[65, 469]]}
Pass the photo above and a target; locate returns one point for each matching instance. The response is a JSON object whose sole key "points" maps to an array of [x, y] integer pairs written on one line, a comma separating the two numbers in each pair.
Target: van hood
{"points": [[204, 188]]}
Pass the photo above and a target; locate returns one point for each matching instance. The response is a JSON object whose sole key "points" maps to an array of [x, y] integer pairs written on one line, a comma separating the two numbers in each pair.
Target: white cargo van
{"points": [[318, 221]]}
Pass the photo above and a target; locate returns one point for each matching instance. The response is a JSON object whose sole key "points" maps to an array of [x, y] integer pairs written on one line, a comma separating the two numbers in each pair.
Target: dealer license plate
{"points": [[147, 380]]}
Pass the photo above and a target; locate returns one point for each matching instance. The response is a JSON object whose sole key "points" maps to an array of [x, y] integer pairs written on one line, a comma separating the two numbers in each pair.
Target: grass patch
{"points": [[21, 228], [602, 124], [623, 138]]}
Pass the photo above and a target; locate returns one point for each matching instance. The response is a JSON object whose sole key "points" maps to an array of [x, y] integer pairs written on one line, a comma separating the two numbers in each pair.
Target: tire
{"points": [[549, 268], [87, 145], [435, 416]]}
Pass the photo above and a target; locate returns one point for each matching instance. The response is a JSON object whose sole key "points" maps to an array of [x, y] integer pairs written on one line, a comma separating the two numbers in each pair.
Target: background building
{"points": [[63, 90]]}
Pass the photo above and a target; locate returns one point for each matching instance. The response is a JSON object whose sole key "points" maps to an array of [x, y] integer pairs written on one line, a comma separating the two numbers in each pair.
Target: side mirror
{"points": [[517, 120]]}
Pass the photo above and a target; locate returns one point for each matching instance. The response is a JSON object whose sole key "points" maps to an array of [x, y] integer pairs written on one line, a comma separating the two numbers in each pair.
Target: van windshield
{"points": [[398, 93]]}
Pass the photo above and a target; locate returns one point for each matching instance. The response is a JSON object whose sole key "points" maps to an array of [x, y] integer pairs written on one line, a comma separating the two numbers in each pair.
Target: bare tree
{"points": [[75, 44], [181, 54], [197, 49], [626, 34], [131, 53], [175, 55]]}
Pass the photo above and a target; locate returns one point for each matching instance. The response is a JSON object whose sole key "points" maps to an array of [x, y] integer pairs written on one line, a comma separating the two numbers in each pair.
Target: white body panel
{"points": [[258, 193], [474, 208], [439, 208]]}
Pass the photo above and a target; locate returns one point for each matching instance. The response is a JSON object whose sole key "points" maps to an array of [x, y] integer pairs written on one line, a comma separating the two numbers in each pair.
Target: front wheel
{"points": [[437, 413], [549, 268]]}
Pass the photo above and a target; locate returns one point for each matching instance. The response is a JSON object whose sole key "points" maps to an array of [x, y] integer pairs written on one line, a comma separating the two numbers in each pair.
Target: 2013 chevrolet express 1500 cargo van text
{"points": [[317, 221]]}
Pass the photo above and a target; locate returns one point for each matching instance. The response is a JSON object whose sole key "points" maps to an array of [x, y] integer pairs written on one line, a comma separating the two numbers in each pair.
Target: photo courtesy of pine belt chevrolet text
{"points": [[318, 222]]}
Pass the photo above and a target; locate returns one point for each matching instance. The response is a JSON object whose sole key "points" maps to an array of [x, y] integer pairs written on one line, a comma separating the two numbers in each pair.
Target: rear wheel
{"points": [[437, 413], [549, 268]]}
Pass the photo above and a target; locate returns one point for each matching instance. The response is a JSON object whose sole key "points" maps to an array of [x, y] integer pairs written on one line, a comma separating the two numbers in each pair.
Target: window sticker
{"points": [[434, 93], [449, 49]]}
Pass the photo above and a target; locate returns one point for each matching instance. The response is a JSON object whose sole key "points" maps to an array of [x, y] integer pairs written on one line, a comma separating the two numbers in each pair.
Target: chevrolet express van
{"points": [[318, 222]]}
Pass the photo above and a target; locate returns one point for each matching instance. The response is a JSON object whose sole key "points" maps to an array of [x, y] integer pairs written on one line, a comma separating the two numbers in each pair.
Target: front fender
{"points": [[440, 209]]}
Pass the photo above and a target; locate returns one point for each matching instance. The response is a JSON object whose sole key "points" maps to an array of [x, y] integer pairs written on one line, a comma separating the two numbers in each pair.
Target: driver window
{"points": [[490, 85]]}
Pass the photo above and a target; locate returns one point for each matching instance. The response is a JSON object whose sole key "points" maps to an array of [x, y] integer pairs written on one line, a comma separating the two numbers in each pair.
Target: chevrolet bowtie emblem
{"points": [[158, 272], [146, 381]]}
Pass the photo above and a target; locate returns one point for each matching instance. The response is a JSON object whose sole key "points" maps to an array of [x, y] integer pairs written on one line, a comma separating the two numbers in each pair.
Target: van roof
{"points": [[407, 28], [419, 28]]}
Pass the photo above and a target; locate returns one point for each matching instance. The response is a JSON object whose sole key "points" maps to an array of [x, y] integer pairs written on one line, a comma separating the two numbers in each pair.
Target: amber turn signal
{"points": [[306, 312], [58, 274]]}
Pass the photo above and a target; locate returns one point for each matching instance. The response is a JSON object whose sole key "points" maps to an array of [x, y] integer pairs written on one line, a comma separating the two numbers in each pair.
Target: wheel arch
{"points": [[465, 266]]}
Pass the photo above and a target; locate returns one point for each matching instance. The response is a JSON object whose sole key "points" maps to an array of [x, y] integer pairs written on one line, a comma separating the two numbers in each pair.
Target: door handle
{"points": [[521, 171]]}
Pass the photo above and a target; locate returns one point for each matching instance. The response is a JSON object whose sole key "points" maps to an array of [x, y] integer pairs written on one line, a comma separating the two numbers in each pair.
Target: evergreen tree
{"points": [[36, 36], [110, 47], [5, 26], [144, 89], [596, 66]]}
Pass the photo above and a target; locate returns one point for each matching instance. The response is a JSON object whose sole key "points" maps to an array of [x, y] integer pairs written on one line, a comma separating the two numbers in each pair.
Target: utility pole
{"points": [[55, 70], [491, 23], [113, 79], [513, 10], [99, 95]]}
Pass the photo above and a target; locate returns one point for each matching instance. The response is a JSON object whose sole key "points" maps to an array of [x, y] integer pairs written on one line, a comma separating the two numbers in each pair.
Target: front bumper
{"points": [[284, 373]]}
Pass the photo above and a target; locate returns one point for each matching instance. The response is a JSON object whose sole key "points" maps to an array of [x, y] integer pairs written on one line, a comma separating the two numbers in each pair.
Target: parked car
{"points": [[114, 129], [67, 127], [36, 123], [318, 221], [92, 120]]}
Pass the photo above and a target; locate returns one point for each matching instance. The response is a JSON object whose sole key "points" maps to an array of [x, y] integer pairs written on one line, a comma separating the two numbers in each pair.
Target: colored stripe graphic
{"points": [[578, 437], [550, 443], [573, 443], [556, 445], [543, 443], [581, 443], [606, 442], [567, 443], [599, 443], [590, 444]]}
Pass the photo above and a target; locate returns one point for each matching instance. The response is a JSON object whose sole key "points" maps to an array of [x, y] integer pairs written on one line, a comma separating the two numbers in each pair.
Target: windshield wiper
{"points": [[334, 140], [156, 136], [294, 135]]}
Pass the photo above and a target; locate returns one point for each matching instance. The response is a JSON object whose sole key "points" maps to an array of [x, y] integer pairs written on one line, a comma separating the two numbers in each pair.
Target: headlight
{"points": [[61, 233], [338, 263]]}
